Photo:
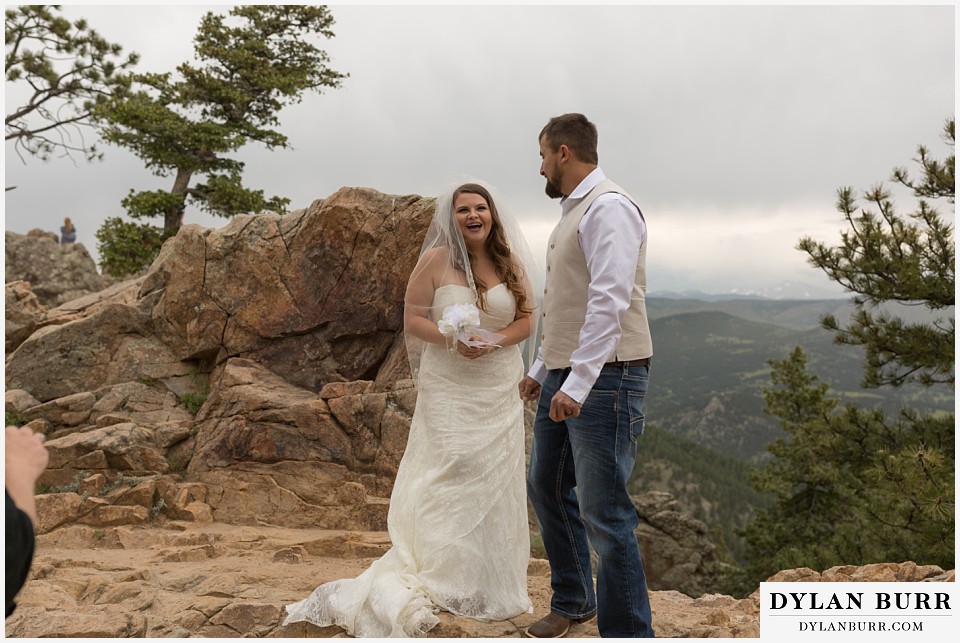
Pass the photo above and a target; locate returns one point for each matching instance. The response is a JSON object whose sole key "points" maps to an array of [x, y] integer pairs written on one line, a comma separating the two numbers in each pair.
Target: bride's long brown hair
{"points": [[496, 244]]}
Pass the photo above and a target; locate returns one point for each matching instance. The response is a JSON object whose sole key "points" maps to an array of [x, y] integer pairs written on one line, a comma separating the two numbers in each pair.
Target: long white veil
{"points": [[444, 247]]}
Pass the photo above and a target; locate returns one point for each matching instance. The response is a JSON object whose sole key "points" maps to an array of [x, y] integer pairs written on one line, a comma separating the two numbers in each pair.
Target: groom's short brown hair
{"points": [[574, 131]]}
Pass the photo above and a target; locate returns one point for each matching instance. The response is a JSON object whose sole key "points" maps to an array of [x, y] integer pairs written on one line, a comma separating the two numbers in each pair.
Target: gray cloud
{"points": [[732, 126]]}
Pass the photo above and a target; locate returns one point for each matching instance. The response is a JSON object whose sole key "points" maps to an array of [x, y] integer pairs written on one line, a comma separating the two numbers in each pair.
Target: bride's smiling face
{"points": [[473, 217]]}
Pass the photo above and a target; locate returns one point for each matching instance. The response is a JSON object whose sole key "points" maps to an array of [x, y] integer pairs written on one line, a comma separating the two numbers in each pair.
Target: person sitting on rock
{"points": [[68, 234]]}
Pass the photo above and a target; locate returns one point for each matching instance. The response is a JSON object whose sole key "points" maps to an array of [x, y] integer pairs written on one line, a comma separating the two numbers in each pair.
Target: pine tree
{"points": [[250, 64], [69, 69], [854, 486], [808, 493], [885, 257]]}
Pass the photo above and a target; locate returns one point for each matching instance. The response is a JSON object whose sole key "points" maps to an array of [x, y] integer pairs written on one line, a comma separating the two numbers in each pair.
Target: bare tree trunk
{"points": [[173, 218]]}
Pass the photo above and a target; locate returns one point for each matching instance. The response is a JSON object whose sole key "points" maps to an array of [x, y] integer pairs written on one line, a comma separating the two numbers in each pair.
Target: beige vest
{"points": [[565, 296]]}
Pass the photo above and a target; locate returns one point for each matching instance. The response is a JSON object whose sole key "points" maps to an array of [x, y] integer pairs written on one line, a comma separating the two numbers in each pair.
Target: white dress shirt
{"points": [[610, 234]]}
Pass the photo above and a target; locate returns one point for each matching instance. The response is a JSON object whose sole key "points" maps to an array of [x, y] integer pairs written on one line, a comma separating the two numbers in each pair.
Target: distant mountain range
{"points": [[784, 291], [799, 314], [793, 314]]}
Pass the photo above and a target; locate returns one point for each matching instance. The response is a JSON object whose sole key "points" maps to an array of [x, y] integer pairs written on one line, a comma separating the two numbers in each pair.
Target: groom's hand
{"points": [[563, 407], [529, 389]]}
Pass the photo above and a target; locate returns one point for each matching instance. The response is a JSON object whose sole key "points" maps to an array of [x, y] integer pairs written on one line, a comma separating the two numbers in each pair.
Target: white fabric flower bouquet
{"points": [[461, 322]]}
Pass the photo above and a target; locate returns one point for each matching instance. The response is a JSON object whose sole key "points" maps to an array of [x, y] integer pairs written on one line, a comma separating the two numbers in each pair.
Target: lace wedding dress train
{"points": [[458, 512]]}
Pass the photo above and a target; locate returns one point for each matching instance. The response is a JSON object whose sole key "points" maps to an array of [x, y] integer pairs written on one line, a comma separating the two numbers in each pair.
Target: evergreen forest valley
{"points": [[706, 428]]}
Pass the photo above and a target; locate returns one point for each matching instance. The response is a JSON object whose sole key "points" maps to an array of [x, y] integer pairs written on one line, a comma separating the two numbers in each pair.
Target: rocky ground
{"points": [[180, 579], [220, 580]]}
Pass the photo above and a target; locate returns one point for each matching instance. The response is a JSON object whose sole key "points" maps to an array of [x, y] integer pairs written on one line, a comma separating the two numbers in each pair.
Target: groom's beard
{"points": [[552, 190]]}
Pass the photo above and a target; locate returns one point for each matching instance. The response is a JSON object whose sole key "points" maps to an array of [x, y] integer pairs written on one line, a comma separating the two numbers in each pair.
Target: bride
{"points": [[458, 518]]}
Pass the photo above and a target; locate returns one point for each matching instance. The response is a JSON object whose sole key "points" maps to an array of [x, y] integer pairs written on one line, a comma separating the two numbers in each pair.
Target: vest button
{"points": [[544, 291], [552, 246]]}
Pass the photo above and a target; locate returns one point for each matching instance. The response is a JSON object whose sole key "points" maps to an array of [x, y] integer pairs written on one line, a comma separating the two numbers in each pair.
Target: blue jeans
{"points": [[577, 483]]}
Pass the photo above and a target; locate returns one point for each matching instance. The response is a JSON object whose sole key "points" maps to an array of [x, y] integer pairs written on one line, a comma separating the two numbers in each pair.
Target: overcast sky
{"points": [[732, 127]]}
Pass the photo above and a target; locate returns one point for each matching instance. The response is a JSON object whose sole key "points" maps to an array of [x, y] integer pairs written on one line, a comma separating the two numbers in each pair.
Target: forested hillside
{"points": [[709, 368], [706, 429], [707, 485]]}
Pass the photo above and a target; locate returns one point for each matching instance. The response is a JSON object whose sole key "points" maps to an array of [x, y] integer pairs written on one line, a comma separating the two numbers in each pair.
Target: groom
{"points": [[590, 378]]}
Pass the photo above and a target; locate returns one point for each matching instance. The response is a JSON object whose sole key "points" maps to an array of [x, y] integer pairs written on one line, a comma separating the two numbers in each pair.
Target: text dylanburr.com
{"points": [[858, 611]]}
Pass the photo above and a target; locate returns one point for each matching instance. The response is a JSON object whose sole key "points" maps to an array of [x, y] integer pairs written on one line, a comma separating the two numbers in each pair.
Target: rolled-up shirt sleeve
{"points": [[537, 370], [611, 233]]}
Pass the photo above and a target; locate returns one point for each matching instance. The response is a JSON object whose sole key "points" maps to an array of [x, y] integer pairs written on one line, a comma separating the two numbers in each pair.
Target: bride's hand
{"points": [[473, 352]]}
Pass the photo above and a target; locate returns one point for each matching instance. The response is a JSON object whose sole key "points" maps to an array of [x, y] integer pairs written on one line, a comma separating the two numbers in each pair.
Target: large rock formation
{"points": [[56, 273], [247, 359], [316, 296], [676, 551], [25, 315], [286, 456]]}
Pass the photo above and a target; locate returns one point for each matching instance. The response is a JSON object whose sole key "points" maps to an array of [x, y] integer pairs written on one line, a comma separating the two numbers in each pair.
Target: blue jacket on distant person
{"points": [[68, 234]]}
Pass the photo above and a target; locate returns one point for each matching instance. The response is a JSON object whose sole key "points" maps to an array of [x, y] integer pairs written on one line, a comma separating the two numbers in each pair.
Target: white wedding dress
{"points": [[458, 512]]}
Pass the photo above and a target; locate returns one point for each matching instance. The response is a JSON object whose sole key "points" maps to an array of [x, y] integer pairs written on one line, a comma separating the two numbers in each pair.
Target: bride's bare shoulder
{"points": [[435, 256]]}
